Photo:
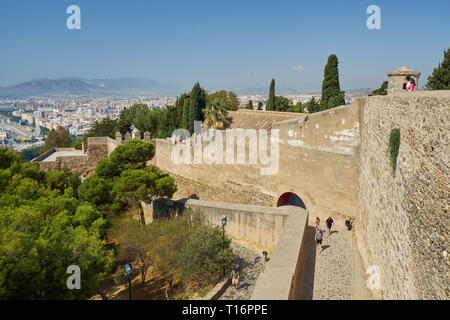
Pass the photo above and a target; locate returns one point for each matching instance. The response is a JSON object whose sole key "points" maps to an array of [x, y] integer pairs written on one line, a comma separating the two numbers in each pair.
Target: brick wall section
{"points": [[403, 222]]}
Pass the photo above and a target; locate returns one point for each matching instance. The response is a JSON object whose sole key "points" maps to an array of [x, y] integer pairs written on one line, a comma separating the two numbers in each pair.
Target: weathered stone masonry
{"points": [[337, 162], [403, 220]]}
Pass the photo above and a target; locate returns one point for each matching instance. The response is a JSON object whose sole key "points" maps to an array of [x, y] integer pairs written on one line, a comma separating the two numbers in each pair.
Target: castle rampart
{"points": [[337, 163]]}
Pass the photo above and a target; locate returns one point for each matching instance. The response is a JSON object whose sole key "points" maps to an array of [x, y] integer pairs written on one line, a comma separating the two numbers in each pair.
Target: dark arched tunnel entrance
{"points": [[290, 199]]}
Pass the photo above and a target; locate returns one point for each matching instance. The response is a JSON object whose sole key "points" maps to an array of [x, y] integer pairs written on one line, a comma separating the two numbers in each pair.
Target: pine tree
{"points": [[381, 91], [270, 105], [312, 106], [440, 78], [332, 95], [58, 138], [249, 105]]}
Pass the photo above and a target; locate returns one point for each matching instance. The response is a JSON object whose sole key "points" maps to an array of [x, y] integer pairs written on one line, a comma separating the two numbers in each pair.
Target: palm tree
{"points": [[215, 115]]}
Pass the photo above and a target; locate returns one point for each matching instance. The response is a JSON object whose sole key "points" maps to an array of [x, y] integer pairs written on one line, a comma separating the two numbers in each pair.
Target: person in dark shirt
{"points": [[329, 224]]}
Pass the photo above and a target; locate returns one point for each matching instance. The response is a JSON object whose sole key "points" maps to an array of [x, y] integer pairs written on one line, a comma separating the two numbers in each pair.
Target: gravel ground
{"points": [[252, 264]]}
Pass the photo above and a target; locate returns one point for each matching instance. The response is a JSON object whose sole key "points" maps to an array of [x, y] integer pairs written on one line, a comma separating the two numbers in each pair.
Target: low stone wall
{"points": [[44, 155], [279, 280], [281, 230], [220, 288], [98, 147], [261, 225]]}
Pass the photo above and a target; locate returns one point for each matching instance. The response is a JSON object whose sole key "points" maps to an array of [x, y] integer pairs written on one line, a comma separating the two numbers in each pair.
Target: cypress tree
{"points": [[185, 114], [179, 107], [197, 102], [440, 78], [249, 105], [270, 105], [332, 95]]}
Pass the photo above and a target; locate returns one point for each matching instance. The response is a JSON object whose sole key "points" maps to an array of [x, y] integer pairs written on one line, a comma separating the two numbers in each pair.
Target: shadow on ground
{"points": [[308, 266]]}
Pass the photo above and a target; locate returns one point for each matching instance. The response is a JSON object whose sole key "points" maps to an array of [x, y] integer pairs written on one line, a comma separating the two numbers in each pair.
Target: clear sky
{"points": [[223, 44]]}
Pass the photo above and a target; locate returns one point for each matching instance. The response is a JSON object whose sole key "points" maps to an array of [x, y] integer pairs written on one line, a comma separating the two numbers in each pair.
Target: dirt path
{"points": [[251, 264], [151, 290]]}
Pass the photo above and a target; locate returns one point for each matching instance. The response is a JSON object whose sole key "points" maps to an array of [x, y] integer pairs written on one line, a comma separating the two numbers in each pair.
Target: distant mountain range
{"points": [[124, 87], [89, 87], [264, 90]]}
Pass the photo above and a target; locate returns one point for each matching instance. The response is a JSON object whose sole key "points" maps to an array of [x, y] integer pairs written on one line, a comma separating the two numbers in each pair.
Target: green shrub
{"points": [[394, 144], [204, 257]]}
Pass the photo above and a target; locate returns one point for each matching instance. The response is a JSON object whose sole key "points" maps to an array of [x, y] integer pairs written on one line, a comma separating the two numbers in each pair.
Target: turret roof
{"points": [[404, 71]]}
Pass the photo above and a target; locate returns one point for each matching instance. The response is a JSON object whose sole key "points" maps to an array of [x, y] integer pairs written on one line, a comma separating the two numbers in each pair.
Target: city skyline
{"points": [[247, 43]]}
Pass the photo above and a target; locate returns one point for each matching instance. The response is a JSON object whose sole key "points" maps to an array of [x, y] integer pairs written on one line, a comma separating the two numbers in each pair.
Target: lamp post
{"points": [[128, 272], [223, 221]]}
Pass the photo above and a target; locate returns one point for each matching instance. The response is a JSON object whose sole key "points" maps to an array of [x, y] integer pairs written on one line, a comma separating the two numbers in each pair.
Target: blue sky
{"points": [[223, 44]]}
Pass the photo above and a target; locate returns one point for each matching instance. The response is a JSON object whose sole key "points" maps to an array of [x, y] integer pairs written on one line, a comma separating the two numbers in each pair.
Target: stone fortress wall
{"points": [[83, 161], [79, 160], [337, 162], [260, 225], [318, 162], [402, 224]]}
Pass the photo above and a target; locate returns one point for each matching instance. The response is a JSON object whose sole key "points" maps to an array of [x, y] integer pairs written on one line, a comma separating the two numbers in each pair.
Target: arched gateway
{"points": [[290, 199]]}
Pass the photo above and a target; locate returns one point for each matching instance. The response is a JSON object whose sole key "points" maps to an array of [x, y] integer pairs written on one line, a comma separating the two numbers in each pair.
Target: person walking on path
{"points": [[319, 237], [317, 222], [330, 223], [234, 276]]}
